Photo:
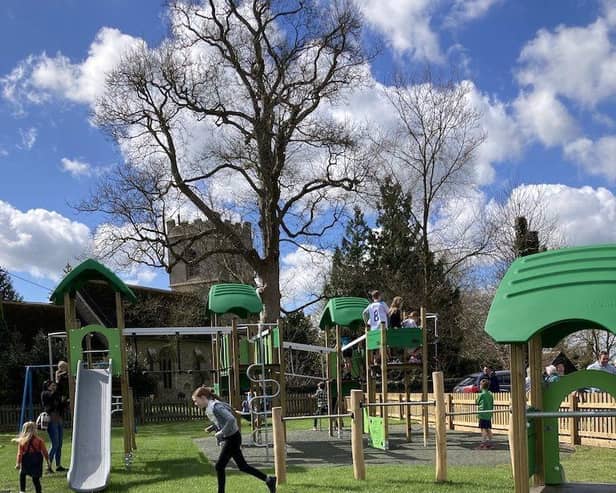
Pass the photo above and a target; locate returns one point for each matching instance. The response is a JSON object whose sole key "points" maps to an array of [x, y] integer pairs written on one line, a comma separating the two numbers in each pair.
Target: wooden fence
{"points": [[150, 411], [600, 432], [583, 431]]}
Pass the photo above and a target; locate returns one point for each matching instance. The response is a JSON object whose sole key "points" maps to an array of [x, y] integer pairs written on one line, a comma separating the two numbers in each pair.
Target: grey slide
{"points": [[91, 452]]}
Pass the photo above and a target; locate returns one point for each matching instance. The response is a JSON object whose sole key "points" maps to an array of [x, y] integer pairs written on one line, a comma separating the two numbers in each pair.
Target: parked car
{"points": [[468, 384]]}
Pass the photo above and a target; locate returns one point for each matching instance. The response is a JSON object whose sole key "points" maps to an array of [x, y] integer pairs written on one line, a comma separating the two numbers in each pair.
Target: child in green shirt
{"points": [[485, 402]]}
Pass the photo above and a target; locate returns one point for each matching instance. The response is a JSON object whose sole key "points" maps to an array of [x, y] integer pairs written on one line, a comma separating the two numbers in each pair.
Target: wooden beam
{"points": [[535, 365], [283, 368], [519, 438], [384, 382], [357, 440], [339, 400], [126, 420], [441, 426], [234, 381], [280, 461], [370, 381]]}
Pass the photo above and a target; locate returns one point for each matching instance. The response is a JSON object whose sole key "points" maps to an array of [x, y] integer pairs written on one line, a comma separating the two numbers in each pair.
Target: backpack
{"points": [[32, 462], [42, 422]]}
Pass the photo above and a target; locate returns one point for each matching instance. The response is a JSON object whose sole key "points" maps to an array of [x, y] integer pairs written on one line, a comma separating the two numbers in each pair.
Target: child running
{"points": [[228, 434], [30, 453], [485, 403]]}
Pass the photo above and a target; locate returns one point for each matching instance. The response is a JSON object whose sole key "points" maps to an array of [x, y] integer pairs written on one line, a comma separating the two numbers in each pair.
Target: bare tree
{"points": [[432, 151], [530, 203], [234, 100]]}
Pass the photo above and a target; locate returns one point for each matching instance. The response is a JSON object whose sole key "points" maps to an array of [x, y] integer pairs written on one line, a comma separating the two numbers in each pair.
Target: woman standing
{"points": [[228, 434], [54, 407], [395, 312]]}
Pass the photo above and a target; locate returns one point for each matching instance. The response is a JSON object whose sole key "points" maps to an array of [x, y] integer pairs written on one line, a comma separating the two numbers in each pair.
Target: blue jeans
{"points": [[56, 431]]}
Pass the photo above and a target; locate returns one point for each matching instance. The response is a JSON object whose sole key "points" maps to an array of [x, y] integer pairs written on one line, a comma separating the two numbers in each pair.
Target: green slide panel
{"points": [[373, 425], [113, 340], [405, 337]]}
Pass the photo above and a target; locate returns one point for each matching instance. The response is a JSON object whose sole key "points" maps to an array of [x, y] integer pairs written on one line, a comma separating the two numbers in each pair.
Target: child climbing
{"points": [[30, 453], [485, 404], [228, 436]]}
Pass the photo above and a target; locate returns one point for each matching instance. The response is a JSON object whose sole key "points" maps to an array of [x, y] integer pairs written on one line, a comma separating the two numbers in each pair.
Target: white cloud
{"points": [[3, 152], [303, 275], [545, 118], [468, 10], [76, 167], [578, 63], [28, 138], [505, 140], [40, 77], [405, 24], [595, 157], [40, 242], [139, 275]]}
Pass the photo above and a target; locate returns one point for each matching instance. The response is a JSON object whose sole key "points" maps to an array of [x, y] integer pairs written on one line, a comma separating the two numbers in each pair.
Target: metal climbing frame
{"points": [[260, 405]]}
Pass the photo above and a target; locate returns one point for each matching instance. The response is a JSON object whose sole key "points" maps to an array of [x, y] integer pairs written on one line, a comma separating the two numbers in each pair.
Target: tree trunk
{"points": [[270, 273]]}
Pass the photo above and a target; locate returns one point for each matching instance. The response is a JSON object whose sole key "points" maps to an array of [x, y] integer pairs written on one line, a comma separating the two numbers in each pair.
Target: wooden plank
{"points": [[535, 351], [441, 426], [518, 422], [424, 376]]}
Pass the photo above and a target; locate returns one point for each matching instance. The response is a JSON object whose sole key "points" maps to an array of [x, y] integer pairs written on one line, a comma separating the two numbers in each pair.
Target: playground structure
{"points": [[90, 382], [348, 312], [542, 299]]}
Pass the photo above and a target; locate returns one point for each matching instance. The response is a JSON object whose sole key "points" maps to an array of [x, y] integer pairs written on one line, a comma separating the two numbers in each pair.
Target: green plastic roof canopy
{"points": [[90, 270], [346, 312], [555, 293], [239, 299]]}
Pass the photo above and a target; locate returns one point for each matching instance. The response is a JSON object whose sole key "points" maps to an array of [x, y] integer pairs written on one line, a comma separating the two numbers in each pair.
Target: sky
{"points": [[543, 77]]}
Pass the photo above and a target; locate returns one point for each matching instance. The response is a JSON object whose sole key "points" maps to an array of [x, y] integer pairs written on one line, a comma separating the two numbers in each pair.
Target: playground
{"points": [[371, 451], [171, 460]]}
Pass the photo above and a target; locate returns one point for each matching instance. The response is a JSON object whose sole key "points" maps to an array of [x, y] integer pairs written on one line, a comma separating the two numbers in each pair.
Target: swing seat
{"points": [[404, 337]]}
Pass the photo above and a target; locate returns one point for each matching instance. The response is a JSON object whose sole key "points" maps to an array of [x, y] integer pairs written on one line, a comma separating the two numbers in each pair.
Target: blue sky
{"points": [[544, 76]]}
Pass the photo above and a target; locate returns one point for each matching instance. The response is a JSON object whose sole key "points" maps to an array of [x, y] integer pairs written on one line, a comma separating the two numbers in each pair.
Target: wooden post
{"points": [[234, 381], [339, 400], [69, 323], [126, 421], [282, 380], [357, 439], [536, 400], [217, 359], [132, 418], [450, 409], [328, 386], [280, 461], [573, 424], [407, 397], [518, 416], [424, 376], [384, 388], [370, 381], [441, 426]]}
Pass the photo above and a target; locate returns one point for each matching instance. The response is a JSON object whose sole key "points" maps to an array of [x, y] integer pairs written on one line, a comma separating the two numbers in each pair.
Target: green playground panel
{"points": [[553, 395], [375, 428], [532, 445], [404, 337], [270, 342], [113, 340]]}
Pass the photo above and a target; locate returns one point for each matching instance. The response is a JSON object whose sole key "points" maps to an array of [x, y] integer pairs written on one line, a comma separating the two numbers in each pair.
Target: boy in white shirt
{"points": [[375, 313]]}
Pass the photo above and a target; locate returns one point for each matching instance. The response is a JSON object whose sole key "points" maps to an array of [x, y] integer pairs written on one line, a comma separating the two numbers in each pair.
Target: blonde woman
{"points": [[395, 312], [30, 453]]}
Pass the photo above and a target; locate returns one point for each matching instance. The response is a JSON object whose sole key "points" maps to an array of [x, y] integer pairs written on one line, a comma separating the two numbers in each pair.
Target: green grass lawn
{"points": [[168, 461]]}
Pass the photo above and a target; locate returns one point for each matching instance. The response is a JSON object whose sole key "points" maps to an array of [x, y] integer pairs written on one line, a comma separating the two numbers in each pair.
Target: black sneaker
{"points": [[271, 483], [60, 469]]}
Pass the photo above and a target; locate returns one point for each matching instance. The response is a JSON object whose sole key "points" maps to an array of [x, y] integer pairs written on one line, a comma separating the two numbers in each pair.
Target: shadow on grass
{"points": [[153, 472]]}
